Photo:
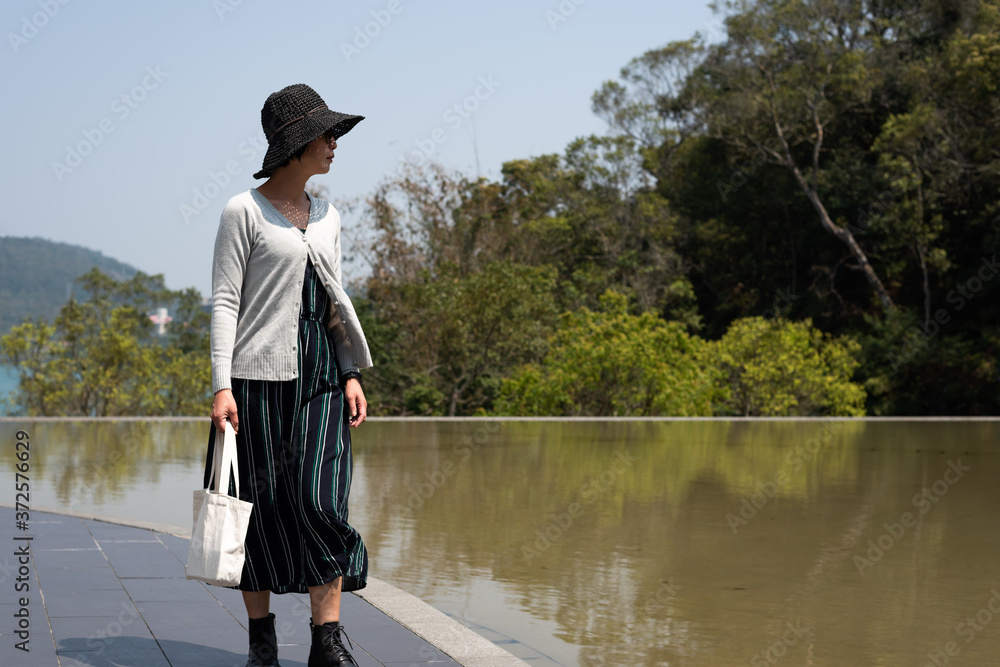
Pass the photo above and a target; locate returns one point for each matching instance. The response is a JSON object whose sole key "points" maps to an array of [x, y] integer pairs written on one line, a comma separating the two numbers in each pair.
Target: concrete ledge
{"points": [[176, 531], [462, 644]]}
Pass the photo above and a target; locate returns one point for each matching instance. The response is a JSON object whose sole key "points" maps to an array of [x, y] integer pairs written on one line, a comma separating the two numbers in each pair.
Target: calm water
{"points": [[8, 383], [635, 542]]}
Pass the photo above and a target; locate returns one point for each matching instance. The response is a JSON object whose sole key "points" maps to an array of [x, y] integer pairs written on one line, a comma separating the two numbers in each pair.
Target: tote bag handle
{"points": [[224, 460]]}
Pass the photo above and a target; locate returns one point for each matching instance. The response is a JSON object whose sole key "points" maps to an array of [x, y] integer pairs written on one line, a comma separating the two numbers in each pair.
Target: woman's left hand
{"points": [[356, 403]]}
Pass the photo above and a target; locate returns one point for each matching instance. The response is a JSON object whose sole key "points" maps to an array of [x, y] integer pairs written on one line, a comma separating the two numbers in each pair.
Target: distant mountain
{"points": [[37, 276]]}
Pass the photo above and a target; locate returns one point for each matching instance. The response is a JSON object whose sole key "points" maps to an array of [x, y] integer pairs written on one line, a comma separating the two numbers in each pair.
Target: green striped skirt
{"points": [[295, 463]]}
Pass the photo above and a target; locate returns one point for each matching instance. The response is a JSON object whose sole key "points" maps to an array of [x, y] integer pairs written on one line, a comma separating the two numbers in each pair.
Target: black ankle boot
{"points": [[263, 643], [327, 650]]}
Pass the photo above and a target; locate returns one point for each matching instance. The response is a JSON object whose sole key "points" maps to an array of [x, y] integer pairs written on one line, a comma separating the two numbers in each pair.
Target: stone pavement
{"points": [[107, 595]]}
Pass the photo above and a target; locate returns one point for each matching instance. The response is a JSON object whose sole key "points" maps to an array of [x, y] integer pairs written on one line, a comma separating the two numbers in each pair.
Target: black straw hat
{"points": [[294, 116]]}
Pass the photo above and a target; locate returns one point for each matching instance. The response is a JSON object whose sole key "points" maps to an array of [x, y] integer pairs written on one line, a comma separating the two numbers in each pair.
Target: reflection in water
{"points": [[636, 542]]}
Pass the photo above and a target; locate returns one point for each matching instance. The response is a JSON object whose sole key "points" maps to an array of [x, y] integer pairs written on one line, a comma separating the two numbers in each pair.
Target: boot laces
{"points": [[333, 639]]}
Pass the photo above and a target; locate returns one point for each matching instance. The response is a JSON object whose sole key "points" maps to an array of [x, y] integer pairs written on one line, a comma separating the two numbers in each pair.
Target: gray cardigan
{"points": [[257, 273]]}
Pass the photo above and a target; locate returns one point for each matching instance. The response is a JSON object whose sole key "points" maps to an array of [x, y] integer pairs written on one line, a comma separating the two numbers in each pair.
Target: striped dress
{"points": [[295, 463]]}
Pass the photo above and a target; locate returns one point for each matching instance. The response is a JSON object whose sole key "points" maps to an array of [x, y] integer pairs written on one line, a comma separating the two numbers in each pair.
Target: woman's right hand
{"points": [[223, 408]]}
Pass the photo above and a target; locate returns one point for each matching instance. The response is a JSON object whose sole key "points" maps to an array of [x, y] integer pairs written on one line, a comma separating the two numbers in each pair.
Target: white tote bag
{"points": [[220, 521]]}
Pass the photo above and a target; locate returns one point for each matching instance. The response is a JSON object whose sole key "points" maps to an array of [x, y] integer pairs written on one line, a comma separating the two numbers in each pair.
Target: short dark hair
{"points": [[298, 154]]}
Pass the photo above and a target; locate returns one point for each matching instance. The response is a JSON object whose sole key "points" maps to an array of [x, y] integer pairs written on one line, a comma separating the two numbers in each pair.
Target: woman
{"points": [[287, 350]]}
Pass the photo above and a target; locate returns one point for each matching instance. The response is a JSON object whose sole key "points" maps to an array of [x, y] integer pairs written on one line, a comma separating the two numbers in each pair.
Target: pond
{"points": [[8, 384], [634, 542]]}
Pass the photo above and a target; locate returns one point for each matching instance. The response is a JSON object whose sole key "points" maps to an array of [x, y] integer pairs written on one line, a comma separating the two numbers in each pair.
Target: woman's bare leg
{"points": [[325, 602], [258, 603]]}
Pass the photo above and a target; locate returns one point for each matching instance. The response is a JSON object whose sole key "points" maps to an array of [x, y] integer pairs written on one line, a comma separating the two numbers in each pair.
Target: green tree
{"points": [[868, 118], [613, 363], [449, 338], [775, 367], [102, 357]]}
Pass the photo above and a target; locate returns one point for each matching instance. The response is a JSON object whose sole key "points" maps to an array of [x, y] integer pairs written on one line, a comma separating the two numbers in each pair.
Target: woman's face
{"points": [[319, 153]]}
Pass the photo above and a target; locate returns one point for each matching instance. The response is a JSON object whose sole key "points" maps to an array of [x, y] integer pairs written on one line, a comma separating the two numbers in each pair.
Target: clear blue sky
{"points": [[159, 95]]}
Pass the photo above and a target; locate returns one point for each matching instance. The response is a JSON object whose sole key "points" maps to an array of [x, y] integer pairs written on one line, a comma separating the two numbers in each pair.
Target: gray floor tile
{"points": [[113, 531], [178, 546], [9, 596], [166, 590], [97, 633], [60, 541], [142, 559], [187, 654], [88, 603], [78, 579], [54, 524], [131, 652], [391, 642], [98, 629], [203, 624], [57, 558], [42, 654]]}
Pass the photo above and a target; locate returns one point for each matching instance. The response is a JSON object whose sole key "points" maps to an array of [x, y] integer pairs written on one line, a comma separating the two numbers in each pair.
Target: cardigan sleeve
{"points": [[233, 243], [343, 346]]}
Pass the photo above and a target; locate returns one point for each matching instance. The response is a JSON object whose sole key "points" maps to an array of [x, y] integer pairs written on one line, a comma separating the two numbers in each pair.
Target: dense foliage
{"points": [[612, 363], [102, 357], [831, 163]]}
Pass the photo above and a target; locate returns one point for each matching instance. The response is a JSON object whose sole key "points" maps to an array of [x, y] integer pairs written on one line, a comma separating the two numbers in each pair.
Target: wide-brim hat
{"points": [[294, 116]]}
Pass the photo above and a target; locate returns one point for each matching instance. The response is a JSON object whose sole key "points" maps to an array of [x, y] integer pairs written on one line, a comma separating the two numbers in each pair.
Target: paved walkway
{"points": [[107, 595]]}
